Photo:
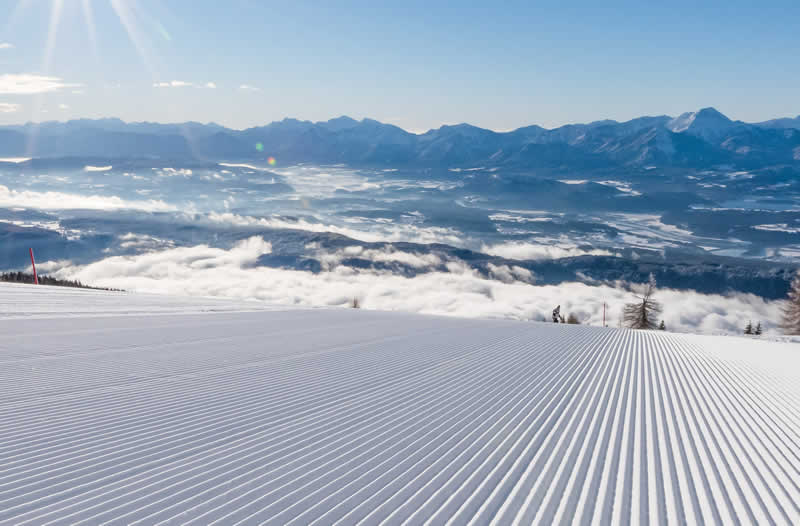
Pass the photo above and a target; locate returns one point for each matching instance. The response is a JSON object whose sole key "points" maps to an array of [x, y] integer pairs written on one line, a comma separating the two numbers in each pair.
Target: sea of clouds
{"points": [[509, 292], [443, 285]]}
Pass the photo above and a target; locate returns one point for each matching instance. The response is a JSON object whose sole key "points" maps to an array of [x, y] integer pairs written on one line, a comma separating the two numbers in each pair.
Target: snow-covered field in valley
{"points": [[134, 409]]}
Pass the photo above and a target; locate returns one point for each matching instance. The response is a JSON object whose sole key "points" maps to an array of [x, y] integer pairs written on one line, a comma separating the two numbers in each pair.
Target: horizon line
{"points": [[363, 119]]}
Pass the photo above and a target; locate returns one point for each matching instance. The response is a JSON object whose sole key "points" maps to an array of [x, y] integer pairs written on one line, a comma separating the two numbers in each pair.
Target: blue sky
{"points": [[415, 64]]}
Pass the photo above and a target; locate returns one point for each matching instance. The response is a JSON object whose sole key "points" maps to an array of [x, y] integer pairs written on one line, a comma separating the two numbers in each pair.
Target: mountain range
{"points": [[694, 139]]}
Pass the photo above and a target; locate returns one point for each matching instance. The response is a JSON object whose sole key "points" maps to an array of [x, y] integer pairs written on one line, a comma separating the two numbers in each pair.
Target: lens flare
{"points": [[271, 161], [259, 147]]}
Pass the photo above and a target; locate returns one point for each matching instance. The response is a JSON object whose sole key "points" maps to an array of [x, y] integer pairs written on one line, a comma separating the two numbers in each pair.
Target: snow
{"points": [[682, 122], [23, 301], [199, 413], [706, 123]]}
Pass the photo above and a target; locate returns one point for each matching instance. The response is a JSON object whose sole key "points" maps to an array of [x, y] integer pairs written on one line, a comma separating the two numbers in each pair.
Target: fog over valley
{"points": [[448, 233]]}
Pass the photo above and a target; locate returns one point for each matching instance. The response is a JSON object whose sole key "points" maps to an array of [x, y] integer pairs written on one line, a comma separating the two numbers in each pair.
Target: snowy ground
{"points": [[25, 301], [196, 415]]}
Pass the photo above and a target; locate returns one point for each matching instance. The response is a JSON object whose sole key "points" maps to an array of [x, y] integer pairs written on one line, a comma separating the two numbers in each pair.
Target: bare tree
{"points": [[355, 304], [643, 313], [791, 311], [573, 320]]}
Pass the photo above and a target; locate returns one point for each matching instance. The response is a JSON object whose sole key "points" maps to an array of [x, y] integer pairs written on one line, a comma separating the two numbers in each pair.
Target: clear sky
{"points": [[498, 65]]}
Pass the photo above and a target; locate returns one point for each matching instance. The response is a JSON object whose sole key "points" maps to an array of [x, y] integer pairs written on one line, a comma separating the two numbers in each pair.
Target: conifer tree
{"points": [[791, 310], [642, 314], [749, 328]]}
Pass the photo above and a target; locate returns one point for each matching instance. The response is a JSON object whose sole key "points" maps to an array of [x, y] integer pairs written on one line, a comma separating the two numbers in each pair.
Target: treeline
{"points": [[640, 314], [643, 313], [24, 277]]}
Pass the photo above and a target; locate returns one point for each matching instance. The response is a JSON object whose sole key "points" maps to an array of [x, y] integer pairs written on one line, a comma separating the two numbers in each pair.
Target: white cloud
{"points": [[331, 260], [7, 107], [172, 84], [511, 274], [573, 181], [247, 87], [30, 84], [6, 45], [530, 251], [78, 92], [63, 106], [143, 242], [64, 201], [210, 85], [376, 233], [780, 227], [206, 271], [97, 168]]}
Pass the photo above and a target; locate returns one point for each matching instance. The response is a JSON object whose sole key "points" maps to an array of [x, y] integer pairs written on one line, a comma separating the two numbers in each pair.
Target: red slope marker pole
{"points": [[33, 264]]}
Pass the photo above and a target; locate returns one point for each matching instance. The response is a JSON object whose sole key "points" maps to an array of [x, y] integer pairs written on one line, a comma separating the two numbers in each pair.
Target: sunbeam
{"points": [[131, 17], [52, 33], [126, 12], [88, 16]]}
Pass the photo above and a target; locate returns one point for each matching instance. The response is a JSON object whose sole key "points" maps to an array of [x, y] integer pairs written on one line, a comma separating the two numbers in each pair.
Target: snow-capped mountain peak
{"points": [[706, 123], [682, 122]]}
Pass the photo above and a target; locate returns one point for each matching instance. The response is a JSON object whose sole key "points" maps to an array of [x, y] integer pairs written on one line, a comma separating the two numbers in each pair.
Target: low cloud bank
{"points": [[206, 271], [65, 201], [330, 260], [530, 251], [390, 232]]}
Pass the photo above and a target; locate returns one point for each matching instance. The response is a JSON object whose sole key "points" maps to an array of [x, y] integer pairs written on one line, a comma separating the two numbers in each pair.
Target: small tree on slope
{"points": [[749, 328], [791, 311], [643, 313]]}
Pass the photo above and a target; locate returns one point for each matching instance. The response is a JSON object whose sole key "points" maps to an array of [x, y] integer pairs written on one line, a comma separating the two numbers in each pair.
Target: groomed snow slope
{"points": [[344, 417]]}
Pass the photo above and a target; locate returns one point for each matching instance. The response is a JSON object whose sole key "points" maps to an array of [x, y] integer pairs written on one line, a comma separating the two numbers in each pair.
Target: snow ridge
{"points": [[358, 417]]}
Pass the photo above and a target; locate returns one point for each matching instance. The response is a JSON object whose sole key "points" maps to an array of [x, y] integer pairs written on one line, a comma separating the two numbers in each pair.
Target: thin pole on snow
{"points": [[33, 264]]}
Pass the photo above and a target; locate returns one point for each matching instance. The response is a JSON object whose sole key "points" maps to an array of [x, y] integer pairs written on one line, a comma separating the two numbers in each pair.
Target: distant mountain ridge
{"points": [[702, 138]]}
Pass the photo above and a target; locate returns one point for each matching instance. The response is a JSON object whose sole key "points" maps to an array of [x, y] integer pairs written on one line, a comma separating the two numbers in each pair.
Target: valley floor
{"points": [[123, 409]]}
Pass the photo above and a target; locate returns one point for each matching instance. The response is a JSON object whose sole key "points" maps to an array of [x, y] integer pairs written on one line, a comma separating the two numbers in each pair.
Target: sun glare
{"points": [[128, 12], [131, 16]]}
